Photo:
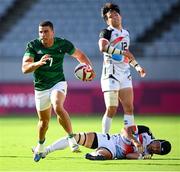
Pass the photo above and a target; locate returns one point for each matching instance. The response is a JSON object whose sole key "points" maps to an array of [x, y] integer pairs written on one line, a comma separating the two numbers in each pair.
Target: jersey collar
{"points": [[113, 28]]}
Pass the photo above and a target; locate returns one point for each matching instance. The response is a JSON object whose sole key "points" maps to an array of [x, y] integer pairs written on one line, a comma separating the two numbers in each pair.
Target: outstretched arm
{"points": [[81, 57], [129, 133], [139, 156], [134, 155]]}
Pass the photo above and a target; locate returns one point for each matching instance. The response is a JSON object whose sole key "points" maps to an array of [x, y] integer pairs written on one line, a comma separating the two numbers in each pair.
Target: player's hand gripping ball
{"points": [[83, 72]]}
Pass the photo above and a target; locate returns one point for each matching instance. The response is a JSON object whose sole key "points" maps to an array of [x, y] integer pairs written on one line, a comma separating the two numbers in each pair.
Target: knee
{"points": [[105, 153], [58, 110], [111, 111]]}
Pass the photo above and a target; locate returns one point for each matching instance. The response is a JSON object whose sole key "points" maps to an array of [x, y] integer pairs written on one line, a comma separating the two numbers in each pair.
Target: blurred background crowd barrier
{"points": [[154, 28], [150, 98]]}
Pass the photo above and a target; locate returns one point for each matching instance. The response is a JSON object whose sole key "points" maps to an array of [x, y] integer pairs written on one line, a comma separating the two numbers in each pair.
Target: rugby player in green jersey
{"points": [[44, 57]]}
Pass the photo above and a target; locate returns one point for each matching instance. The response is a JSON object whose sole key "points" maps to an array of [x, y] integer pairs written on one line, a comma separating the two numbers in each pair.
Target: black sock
{"points": [[41, 141]]}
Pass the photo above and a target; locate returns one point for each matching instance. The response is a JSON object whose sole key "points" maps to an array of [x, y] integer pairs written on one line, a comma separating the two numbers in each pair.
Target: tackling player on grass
{"points": [[44, 57], [116, 146]]}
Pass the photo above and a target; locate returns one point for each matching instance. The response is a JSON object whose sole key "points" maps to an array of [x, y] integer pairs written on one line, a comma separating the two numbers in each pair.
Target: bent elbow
{"points": [[24, 71], [102, 49]]}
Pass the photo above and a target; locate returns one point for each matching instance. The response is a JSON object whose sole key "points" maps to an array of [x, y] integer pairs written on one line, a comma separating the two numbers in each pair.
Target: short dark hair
{"points": [[165, 146], [108, 7], [47, 23]]}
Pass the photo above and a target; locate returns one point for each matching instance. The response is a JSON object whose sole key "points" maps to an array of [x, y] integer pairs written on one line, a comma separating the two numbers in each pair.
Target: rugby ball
{"points": [[83, 72]]}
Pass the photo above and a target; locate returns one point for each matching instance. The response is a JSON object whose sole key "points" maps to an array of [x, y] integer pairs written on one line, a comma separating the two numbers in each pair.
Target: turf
{"points": [[18, 135]]}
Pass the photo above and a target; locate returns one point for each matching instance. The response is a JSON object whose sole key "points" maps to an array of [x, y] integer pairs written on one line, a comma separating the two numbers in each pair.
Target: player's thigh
{"points": [[57, 99], [42, 100], [110, 87], [111, 99], [58, 94], [126, 96], [88, 140]]}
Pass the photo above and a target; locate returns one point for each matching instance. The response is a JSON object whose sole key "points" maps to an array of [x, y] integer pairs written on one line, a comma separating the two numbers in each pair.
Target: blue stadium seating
{"points": [[168, 45], [5, 4], [80, 22]]}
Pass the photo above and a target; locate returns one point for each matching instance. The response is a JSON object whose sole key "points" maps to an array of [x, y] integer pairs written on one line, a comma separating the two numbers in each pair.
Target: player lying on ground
{"points": [[116, 146]]}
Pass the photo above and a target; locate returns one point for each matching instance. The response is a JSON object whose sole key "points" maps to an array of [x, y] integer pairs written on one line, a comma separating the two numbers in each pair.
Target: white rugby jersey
{"points": [[146, 140], [123, 146], [114, 63]]}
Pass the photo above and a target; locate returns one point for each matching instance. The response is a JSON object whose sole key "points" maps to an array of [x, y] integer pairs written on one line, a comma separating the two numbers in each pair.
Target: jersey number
{"points": [[51, 61], [124, 45]]}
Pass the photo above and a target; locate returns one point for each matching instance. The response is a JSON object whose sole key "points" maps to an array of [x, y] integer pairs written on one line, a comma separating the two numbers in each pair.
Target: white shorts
{"points": [[105, 141], [43, 98], [110, 84]]}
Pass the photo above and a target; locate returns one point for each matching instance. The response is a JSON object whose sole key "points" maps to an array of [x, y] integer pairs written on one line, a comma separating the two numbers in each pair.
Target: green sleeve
{"points": [[29, 50], [70, 49]]}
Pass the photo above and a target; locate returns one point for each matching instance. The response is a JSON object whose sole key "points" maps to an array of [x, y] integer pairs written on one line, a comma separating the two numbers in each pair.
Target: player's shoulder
{"points": [[106, 30], [61, 40], [58, 38], [34, 42], [106, 33], [125, 31]]}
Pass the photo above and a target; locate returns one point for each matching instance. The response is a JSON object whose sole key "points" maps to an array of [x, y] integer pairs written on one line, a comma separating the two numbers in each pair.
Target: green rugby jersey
{"points": [[46, 76]]}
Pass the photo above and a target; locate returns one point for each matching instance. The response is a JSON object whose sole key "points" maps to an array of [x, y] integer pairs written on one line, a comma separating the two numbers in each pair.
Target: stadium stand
{"points": [[167, 46], [80, 22], [4, 6], [161, 39]]}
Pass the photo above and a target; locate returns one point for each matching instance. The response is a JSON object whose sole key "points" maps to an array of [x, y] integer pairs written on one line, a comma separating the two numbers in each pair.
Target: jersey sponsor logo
{"points": [[63, 90], [112, 81], [40, 52]]}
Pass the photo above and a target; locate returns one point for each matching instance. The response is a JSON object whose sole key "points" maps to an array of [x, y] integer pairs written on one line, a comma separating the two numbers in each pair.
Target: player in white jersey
{"points": [[116, 79], [116, 146]]}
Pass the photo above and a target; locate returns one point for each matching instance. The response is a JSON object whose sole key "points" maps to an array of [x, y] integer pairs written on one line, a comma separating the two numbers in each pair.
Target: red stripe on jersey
{"points": [[140, 138], [128, 149], [134, 127], [117, 40]]}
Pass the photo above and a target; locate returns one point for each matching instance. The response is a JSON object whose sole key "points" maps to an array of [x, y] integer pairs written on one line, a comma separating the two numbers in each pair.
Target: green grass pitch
{"points": [[19, 134]]}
